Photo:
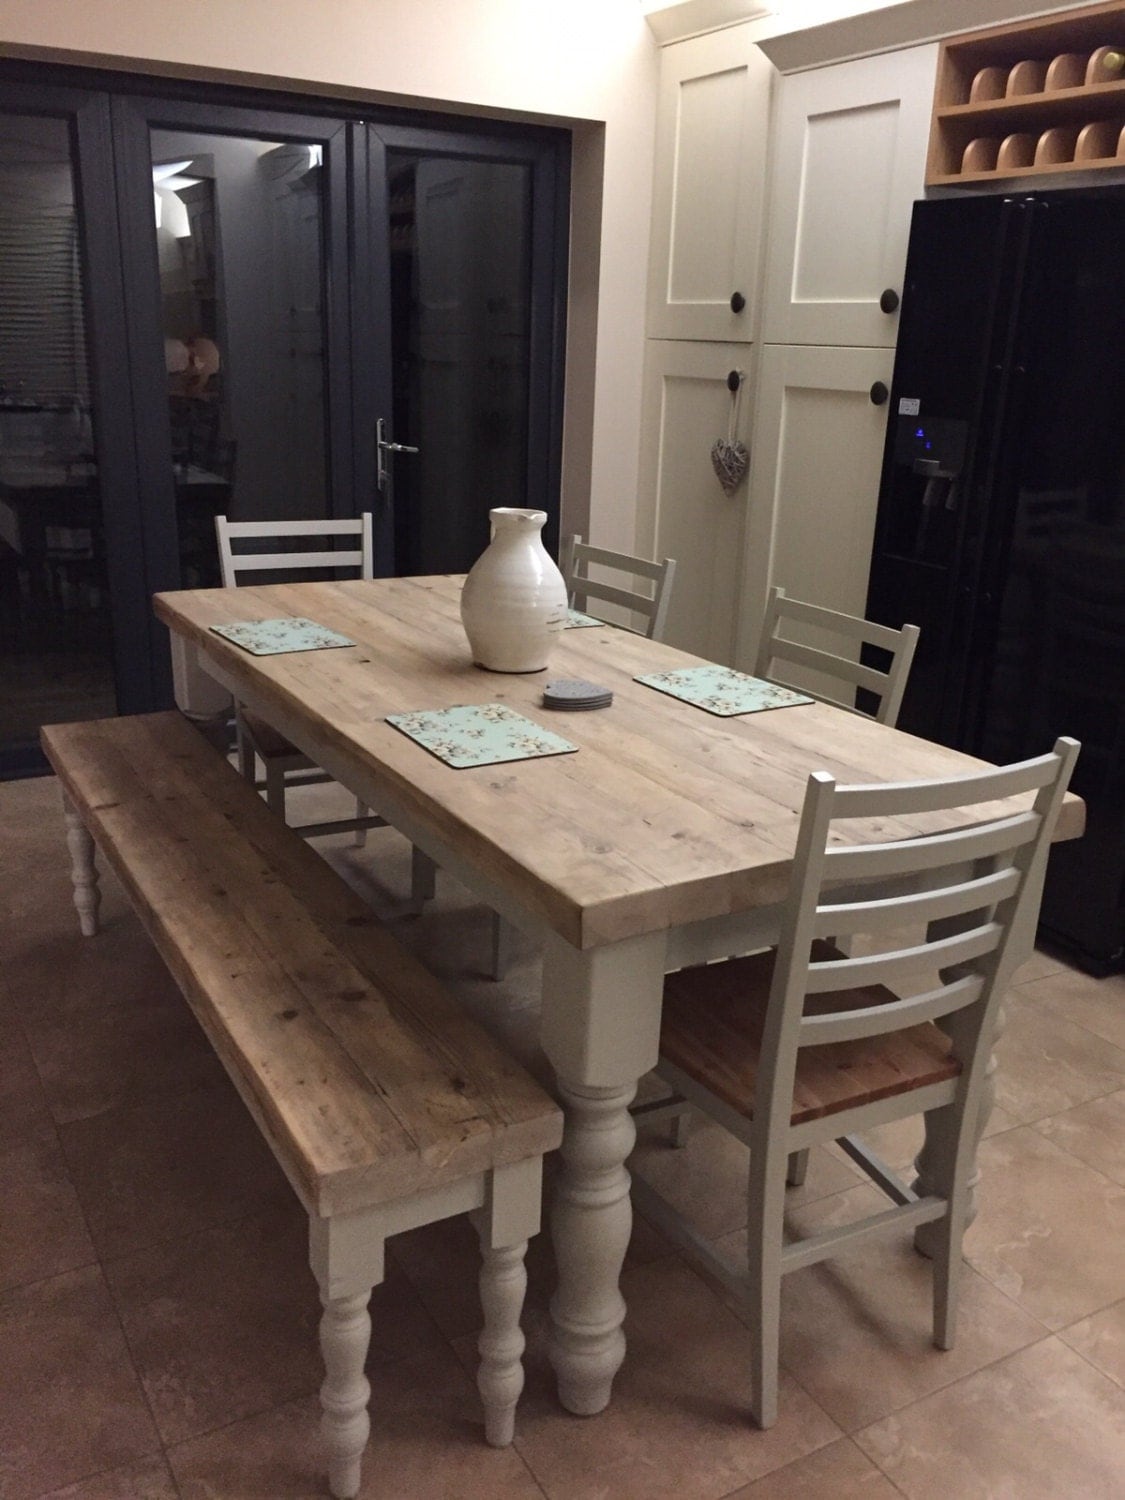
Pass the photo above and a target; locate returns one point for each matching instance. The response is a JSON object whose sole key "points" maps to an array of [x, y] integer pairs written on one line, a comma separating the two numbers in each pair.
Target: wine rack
{"points": [[1030, 99]]}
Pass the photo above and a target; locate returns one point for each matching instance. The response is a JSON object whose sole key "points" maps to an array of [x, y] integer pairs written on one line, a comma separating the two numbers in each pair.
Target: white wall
{"points": [[590, 64]]}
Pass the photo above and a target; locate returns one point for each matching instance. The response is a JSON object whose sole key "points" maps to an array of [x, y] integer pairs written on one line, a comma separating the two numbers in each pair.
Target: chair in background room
{"points": [[575, 560], [853, 633], [284, 764], [805, 1044]]}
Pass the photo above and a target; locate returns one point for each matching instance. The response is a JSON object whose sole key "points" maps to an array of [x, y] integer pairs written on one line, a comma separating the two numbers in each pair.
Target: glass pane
{"points": [[239, 234], [460, 288], [55, 644]]}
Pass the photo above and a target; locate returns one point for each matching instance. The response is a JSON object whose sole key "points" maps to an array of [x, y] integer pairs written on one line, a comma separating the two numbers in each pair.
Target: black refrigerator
{"points": [[1001, 521]]}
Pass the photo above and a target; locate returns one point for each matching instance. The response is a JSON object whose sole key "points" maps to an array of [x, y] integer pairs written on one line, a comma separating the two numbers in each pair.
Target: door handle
{"points": [[878, 393], [382, 448]]}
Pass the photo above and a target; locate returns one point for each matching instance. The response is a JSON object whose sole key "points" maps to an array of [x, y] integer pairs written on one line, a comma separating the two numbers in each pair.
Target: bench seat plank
{"points": [[362, 1071]]}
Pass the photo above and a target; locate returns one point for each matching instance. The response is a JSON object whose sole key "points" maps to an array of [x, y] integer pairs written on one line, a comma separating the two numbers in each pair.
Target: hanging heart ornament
{"points": [[730, 462], [729, 458]]}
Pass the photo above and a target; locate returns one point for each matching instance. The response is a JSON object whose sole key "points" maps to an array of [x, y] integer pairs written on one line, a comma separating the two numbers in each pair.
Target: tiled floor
{"points": [[157, 1316]]}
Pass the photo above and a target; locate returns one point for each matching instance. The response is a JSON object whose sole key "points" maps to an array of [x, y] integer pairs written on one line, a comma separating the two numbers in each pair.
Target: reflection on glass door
{"points": [[460, 256], [56, 659], [238, 234]]}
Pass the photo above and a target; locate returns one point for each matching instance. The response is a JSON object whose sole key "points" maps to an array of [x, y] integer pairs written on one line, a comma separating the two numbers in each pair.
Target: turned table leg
{"points": [[591, 1221], [601, 1031], [83, 871]]}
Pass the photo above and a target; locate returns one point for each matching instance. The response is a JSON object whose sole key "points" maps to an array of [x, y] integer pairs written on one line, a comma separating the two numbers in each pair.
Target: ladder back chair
{"points": [[849, 672], [650, 601], [284, 764], [806, 1043]]}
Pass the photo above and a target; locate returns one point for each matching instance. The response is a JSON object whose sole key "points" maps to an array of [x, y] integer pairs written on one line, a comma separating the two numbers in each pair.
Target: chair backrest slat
{"points": [[575, 559], [877, 1020], [884, 968], [893, 913], [777, 649], [932, 852], [232, 563]]}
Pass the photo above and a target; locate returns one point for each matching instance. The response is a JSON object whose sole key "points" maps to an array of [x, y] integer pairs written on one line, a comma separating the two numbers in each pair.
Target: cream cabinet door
{"points": [[849, 161], [814, 483], [685, 512], [712, 123]]}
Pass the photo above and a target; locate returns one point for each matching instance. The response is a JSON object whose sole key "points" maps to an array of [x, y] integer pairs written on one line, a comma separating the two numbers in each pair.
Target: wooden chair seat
{"points": [[712, 1025], [384, 1104]]}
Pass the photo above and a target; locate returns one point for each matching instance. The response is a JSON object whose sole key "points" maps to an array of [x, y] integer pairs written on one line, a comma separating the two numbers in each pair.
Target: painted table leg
{"points": [[601, 1031], [83, 870], [591, 1222], [1023, 942]]}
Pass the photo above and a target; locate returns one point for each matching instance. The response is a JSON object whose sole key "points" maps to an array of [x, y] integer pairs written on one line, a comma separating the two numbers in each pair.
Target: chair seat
{"points": [[269, 743], [712, 1026]]}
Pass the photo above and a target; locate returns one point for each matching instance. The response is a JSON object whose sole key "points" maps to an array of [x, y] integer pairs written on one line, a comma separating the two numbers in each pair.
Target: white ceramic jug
{"points": [[513, 605]]}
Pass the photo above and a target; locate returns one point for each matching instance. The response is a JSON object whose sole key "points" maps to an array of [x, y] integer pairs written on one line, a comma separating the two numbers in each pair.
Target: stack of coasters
{"points": [[575, 693]]}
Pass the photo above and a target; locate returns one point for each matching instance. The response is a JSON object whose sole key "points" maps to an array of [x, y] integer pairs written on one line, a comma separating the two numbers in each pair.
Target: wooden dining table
{"points": [[664, 840]]}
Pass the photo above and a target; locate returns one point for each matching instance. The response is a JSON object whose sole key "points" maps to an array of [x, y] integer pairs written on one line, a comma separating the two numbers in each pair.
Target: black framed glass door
{"points": [[74, 612], [473, 280], [273, 305]]}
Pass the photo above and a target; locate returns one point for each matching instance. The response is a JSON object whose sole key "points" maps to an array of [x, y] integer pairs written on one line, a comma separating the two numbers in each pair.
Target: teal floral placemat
{"points": [[272, 637], [721, 690], [479, 734], [576, 620]]}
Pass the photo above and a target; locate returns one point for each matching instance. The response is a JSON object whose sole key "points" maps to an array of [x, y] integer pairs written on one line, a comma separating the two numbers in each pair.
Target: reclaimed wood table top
{"points": [[666, 815]]}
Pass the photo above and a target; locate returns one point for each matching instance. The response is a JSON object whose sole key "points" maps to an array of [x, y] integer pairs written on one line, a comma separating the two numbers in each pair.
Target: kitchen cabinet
{"points": [[814, 481], [708, 189], [688, 516], [848, 162]]}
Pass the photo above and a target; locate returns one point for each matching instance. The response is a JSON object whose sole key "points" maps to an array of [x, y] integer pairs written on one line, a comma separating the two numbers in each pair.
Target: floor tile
{"points": [[679, 1421], [149, 1480], [1047, 1063], [42, 1229], [706, 1180], [1050, 1232], [838, 1472], [1097, 1004], [870, 1310], [1039, 1425], [171, 1167], [1100, 1338], [23, 1104], [427, 1443], [72, 1404], [223, 1324], [1038, 966], [1093, 1132], [121, 1054]]}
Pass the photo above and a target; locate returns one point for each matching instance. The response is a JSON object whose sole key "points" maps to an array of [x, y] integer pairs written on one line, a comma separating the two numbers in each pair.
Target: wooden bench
{"points": [[386, 1107]]}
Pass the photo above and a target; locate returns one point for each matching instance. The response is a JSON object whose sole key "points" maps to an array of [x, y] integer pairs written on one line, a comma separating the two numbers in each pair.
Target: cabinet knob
{"points": [[737, 302], [878, 393], [888, 302]]}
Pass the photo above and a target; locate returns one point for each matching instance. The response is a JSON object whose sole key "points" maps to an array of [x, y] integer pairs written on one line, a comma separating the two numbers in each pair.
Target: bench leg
{"points": [[83, 871], [347, 1259], [505, 1224]]}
